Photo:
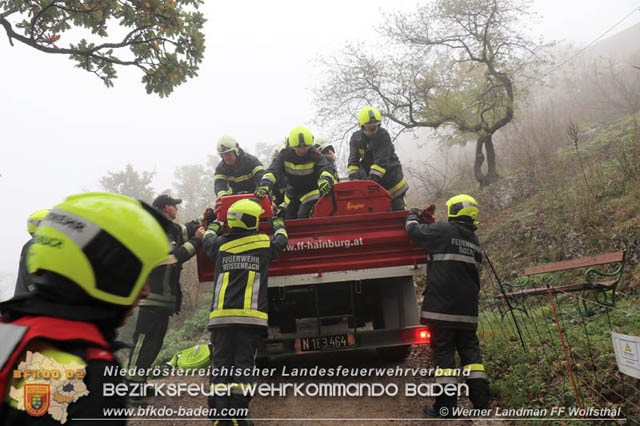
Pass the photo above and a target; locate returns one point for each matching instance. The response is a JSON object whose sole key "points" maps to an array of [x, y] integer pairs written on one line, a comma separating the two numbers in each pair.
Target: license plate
{"points": [[325, 343]]}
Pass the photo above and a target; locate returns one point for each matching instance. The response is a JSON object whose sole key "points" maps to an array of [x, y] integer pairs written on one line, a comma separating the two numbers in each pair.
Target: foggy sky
{"points": [[62, 129]]}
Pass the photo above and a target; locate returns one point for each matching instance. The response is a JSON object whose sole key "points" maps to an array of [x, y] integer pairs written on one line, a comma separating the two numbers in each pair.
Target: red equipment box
{"points": [[225, 203], [357, 197]]}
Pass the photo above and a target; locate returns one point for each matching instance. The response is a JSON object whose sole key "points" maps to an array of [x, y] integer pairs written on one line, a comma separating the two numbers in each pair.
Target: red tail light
{"points": [[420, 335], [424, 335]]}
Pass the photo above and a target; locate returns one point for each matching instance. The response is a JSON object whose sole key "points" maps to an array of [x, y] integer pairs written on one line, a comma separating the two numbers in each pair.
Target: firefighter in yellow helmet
{"points": [[309, 175], [373, 157], [450, 305], [239, 310], [22, 282], [89, 262]]}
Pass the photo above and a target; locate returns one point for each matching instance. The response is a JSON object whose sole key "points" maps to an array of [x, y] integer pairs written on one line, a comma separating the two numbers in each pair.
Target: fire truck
{"points": [[345, 280]]}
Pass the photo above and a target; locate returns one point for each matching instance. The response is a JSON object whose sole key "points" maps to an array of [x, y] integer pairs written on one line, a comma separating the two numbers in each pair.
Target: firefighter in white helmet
{"points": [[238, 171]]}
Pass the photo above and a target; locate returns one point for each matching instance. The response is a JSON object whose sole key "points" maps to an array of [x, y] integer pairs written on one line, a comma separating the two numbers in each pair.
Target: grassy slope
{"points": [[191, 332], [555, 214], [563, 213], [567, 216]]}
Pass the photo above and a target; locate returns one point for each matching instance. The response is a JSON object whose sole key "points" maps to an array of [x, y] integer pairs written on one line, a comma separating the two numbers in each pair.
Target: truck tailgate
{"points": [[317, 246]]}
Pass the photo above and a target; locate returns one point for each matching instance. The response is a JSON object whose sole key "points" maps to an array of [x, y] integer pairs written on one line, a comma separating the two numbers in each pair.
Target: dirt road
{"points": [[325, 410]]}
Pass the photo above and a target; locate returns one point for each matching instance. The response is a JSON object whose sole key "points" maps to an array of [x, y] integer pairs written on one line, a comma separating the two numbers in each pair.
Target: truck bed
{"points": [[339, 248], [345, 279]]}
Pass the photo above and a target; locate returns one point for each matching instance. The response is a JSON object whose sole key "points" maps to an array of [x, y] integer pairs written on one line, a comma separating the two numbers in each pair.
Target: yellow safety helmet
{"points": [[35, 218], [300, 137], [227, 144], [368, 115], [244, 214], [106, 244], [462, 205]]}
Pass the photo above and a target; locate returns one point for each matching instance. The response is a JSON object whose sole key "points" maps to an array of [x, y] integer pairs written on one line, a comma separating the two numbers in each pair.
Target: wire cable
{"points": [[635, 9]]}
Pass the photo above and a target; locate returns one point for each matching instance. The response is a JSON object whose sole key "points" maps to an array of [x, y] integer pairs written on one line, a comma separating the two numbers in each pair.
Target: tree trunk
{"points": [[486, 142], [492, 174]]}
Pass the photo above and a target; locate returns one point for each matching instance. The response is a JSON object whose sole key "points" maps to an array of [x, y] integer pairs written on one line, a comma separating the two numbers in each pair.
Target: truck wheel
{"points": [[394, 353]]}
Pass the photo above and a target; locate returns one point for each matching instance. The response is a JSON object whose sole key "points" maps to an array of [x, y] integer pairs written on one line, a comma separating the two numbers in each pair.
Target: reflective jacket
{"points": [[324, 150], [243, 176], [300, 173], [164, 281], [376, 158], [65, 342], [453, 271], [242, 261]]}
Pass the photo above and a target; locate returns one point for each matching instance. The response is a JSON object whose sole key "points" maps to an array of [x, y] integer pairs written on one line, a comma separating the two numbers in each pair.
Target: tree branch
{"points": [[87, 53], [7, 13], [37, 16]]}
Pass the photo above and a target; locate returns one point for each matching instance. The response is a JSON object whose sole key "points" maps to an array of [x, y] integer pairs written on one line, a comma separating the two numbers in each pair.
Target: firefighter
{"points": [[239, 310], [325, 147], [373, 157], [88, 263], [22, 282], [238, 171], [450, 305], [308, 174], [165, 295]]}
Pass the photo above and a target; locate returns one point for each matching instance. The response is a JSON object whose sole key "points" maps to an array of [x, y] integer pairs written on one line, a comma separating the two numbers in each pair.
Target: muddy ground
{"points": [[305, 410]]}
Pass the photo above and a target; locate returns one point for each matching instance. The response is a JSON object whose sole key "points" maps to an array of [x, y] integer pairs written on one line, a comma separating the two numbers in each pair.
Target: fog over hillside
{"points": [[63, 130]]}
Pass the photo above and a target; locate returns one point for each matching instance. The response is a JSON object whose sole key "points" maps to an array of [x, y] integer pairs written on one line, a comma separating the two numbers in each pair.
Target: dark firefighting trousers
{"points": [[233, 354], [151, 328], [300, 201], [444, 344]]}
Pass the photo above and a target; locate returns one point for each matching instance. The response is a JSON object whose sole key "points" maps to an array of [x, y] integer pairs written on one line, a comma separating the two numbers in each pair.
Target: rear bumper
{"points": [[366, 339]]}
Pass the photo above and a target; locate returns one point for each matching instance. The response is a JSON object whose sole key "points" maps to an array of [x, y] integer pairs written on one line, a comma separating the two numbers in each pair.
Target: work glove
{"points": [[261, 191], [428, 215], [415, 211], [374, 178], [210, 215], [324, 186], [217, 206], [224, 193], [277, 222]]}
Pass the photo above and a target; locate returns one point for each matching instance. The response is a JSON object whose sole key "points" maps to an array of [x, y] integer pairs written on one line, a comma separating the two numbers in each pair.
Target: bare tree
{"points": [[617, 86], [453, 64]]}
